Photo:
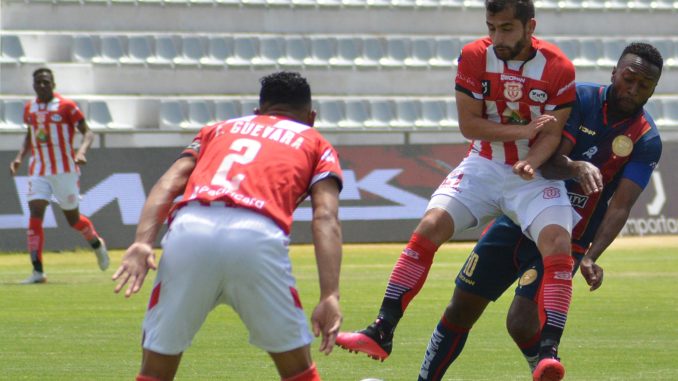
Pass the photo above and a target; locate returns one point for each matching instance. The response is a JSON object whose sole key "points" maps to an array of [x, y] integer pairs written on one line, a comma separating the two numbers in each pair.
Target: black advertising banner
{"points": [[386, 190]]}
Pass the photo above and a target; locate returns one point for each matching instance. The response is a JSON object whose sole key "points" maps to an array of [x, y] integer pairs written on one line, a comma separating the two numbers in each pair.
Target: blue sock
{"points": [[447, 342]]}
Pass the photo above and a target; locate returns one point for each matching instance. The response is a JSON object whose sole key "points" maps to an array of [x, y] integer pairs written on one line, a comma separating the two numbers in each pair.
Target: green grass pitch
{"points": [[76, 328]]}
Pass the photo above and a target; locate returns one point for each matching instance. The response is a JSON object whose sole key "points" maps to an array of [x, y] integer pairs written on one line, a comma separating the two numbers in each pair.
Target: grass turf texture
{"points": [[75, 328]]}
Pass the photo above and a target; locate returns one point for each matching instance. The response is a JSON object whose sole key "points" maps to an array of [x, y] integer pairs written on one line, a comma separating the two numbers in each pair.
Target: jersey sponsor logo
{"points": [[513, 78], [528, 277], [551, 192], [590, 152], [577, 200], [56, 118], [486, 87], [622, 146], [587, 130], [539, 96], [513, 91]]}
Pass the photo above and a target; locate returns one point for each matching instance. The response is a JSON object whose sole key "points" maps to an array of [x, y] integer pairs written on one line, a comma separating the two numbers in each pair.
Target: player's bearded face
{"points": [[507, 52]]}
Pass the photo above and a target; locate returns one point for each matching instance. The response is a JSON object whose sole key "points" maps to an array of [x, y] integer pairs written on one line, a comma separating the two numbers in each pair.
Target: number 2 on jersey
{"points": [[245, 151]]}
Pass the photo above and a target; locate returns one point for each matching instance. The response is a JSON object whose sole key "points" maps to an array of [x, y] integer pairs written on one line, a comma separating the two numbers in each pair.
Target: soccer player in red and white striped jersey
{"points": [[514, 94], [227, 241], [53, 170]]}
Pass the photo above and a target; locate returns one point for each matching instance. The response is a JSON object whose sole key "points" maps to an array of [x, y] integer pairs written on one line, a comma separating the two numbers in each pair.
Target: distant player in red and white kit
{"points": [[227, 241], [53, 169], [514, 93]]}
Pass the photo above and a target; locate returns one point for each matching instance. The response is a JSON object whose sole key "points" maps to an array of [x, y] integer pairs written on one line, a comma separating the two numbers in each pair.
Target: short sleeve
{"points": [[563, 88], [327, 165], [644, 159], [470, 71]]}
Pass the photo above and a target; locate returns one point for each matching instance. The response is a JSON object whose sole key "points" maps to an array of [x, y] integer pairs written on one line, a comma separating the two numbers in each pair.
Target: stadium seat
{"points": [[589, 51], [14, 113], [670, 112], [667, 48], [322, 50], [612, 49], [330, 113], [13, 51], [432, 113], [172, 114], [138, 50], [372, 52], [447, 50], [357, 112], [247, 106], [244, 50], [199, 114], [84, 49], [654, 108], [569, 46], [348, 50], [408, 112], [165, 52], [270, 51], [192, 51], [219, 48], [397, 50], [296, 51], [422, 53], [382, 114], [98, 115], [226, 109], [111, 51], [451, 116]]}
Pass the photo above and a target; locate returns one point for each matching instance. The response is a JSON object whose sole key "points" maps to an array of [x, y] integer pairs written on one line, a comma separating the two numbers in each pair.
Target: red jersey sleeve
{"points": [[327, 165], [471, 68], [72, 113], [27, 108], [562, 75]]}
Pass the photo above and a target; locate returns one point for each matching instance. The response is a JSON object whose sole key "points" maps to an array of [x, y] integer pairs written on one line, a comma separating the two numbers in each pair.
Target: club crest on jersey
{"points": [[622, 146], [538, 96], [528, 277], [513, 91], [56, 118], [577, 200], [551, 192]]}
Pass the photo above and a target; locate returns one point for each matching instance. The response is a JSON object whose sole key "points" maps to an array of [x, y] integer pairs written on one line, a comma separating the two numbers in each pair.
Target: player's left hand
{"points": [[589, 177], [592, 273], [523, 169], [135, 264], [80, 159], [326, 320]]}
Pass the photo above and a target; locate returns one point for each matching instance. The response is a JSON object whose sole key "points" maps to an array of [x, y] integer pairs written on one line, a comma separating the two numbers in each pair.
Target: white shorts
{"points": [[223, 255], [489, 189], [64, 188]]}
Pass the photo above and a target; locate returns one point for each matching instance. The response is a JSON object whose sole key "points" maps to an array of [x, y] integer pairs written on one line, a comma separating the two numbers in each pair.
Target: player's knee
{"points": [[554, 239], [521, 326], [436, 225]]}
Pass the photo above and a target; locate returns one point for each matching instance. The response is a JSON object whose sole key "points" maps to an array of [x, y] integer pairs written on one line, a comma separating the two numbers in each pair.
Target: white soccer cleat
{"points": [[102, 255], [36, 277]]}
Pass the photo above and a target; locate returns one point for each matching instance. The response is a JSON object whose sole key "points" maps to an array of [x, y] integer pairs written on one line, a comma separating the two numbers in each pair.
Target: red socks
{"points": [[85, 227], [411, 270], [310, 374], [36, 239], [557, 289]]}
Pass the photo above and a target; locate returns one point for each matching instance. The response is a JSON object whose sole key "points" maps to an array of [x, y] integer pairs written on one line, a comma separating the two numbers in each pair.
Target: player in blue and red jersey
{"points": [[613, 146]]}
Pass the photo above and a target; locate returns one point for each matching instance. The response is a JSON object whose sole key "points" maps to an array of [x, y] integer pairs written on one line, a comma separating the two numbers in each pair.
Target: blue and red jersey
{"points": [[629, 149]]}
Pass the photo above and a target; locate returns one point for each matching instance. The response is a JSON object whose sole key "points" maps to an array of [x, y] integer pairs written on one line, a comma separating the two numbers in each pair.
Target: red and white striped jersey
{"points": [[52, 126], [514, 92], [264, 163]]}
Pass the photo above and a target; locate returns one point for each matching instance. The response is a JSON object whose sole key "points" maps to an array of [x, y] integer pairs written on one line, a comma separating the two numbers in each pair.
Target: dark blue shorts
{"points": [[501, 256]]}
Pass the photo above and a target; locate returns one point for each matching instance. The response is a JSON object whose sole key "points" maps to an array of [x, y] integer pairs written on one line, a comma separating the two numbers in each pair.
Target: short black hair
{"points": [[523, 9], [645, 51], [43, 70], [285, 88]]}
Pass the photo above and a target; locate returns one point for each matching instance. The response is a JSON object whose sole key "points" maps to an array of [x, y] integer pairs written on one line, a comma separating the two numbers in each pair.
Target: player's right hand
{"points": [[134, 267], [592, 273], [535, 126], [589, 177], [14, 166], [326, 320]]}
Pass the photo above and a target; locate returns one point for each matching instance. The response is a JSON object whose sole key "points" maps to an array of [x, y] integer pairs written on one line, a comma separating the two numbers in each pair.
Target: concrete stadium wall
{"points": [[385, 193]]}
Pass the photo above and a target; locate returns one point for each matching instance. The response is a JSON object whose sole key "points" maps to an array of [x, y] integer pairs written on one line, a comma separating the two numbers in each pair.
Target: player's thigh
{"points": [[66, 190], [266, 298], [474, 185], [39, 188], [491, 267], [187, 287], [524, 201]]}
